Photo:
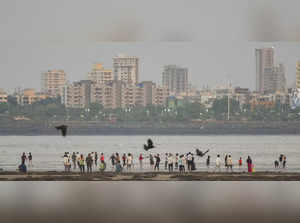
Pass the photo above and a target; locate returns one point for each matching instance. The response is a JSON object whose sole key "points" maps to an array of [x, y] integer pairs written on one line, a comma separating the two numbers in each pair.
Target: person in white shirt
{"points": [[181, 163], [190, 161], [218, 163], [170, 162], [129, 162], [229, 163], [78, 159]]}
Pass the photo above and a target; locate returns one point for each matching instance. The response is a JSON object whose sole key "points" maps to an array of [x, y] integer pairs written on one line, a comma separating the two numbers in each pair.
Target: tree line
{"points": [[53, 109]]}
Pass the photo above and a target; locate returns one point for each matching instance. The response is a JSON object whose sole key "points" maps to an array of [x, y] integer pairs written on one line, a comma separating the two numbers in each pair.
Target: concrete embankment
{"points": [[149, 176]]}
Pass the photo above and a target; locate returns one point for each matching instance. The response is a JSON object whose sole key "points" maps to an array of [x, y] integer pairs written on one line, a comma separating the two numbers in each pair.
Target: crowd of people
{"points": [[281, 162], [172, 162]]}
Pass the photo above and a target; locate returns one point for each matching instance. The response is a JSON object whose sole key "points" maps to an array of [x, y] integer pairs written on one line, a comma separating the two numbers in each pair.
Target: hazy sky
{"points": [[214, 39]]}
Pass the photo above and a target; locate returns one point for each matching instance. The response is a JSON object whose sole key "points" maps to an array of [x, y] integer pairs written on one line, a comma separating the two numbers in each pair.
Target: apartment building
{"points": [[100, 75], [126, 69], [52, 82], [107, 94], [77, 94], [175, 78], [29, 96]]}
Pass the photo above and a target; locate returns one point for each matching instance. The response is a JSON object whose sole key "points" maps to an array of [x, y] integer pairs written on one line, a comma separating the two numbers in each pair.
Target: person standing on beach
{"points": [[30, 159], [276, 164], [141, 161], [102, 157], [226, 157], [118, 159], [218, 163], [280, 159], [190, 161], [124, 158], [176, 161], [66, 162], [74, 157], [81, 163], [102, 166], [240, 163], [113, 159], [129, 162], [170, 162], [229, 163], [284, 162], [96, 159], [78, 159], [157, 161], [151, 161], [93, 158], [166, 161], [23, 158], [89, 163], [181, 164], [208, 162], [249, 163]]}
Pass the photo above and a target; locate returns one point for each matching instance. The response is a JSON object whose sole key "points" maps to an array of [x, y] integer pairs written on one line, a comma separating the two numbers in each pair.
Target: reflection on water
{"points": [[149, 201], [48, 150]]}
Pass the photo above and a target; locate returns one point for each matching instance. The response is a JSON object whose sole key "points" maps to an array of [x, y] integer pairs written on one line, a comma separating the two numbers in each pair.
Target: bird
{"points": [[63, 129], [200, 153], [149, 145]]}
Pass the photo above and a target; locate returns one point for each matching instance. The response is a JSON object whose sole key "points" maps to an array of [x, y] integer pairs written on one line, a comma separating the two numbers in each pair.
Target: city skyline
{"points": [[154, 57]]}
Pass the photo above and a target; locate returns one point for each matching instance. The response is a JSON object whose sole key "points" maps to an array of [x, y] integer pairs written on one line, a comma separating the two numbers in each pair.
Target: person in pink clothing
{"points": [[249, 162]]}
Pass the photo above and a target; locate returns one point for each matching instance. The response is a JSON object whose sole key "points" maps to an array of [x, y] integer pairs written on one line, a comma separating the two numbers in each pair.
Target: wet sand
{"points": [[149, 176]]}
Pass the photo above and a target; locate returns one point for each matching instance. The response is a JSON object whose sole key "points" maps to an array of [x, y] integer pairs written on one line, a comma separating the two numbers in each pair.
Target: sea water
{"points": [[47, 151]]}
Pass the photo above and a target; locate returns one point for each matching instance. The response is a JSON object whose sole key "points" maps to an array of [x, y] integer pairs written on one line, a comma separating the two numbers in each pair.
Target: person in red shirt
{"points": [[141, 161], [240, 162], [102, 157]]}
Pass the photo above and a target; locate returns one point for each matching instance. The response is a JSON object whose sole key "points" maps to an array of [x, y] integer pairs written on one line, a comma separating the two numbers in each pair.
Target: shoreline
{"points": [[149, 176]]}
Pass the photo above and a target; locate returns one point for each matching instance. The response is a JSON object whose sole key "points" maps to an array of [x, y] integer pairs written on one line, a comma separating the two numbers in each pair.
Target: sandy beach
{"points": [[149, 176]]}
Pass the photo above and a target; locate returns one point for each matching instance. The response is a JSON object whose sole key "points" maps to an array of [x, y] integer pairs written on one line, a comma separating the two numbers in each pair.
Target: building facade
{"points": [[77, 94], [126, 69], [175, 78], [100, 75], [52, 82], [115, 94], [29, 96], [107, 94], [264, 66]]}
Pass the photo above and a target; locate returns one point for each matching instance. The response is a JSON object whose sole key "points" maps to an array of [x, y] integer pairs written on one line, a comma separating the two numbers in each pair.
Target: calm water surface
{"points": [[48, 150]]}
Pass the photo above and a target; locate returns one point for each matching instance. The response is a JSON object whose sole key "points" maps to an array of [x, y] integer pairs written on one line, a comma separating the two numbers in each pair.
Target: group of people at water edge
{"points": [[151, 162]]}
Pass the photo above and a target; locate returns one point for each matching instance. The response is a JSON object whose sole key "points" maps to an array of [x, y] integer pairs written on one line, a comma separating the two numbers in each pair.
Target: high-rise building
{"points": [[107, 94], [264, 66], [126, 69], [175, 78], [280, 83], [115, 94], [144, 94], [52, 82], [160, 95], [77, 94], [298, 75], [100, 75]]}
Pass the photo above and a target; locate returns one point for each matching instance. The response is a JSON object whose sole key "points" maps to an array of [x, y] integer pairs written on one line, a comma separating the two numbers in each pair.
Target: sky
{"points": [[214, 39]]}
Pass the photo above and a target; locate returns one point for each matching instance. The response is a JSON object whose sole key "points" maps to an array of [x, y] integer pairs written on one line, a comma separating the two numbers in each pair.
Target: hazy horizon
{"points": [[215, 40]]}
